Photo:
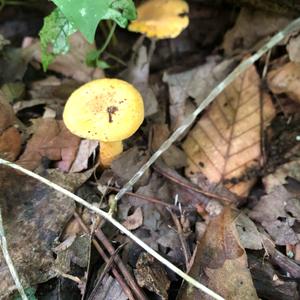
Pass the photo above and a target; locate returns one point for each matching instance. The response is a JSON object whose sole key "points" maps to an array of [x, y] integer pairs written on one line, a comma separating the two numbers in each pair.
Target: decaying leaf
{"points": [[52, 140], [244, 37], [226, 142], [285, 79], [275, 213], [34, 216], [10, 144], [150, 274], [220, 263], [279, 177], [249, 235]]}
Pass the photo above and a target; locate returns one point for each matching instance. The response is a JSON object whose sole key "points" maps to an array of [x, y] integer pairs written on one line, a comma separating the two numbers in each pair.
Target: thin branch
{"points": [[115, 272], [241, 68], [189, 186], [9, 262], [106, 243], [114, 222]]}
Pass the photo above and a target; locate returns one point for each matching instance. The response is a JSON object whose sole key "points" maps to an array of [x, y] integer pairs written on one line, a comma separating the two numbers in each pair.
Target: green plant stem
{"points": [[108, 39], [115, 58], [114, 40]]}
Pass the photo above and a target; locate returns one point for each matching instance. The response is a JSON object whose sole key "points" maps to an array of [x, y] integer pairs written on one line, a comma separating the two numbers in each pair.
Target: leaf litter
{"points": [[228, 156]]}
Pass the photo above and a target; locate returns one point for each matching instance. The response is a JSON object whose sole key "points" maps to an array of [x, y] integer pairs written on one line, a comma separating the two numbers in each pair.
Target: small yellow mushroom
{"points": [[108, 110], [161, 19]]}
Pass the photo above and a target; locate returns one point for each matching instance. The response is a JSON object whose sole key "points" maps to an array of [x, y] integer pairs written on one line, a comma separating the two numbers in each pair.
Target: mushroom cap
{"points": [[107, 110], [161, 19]]}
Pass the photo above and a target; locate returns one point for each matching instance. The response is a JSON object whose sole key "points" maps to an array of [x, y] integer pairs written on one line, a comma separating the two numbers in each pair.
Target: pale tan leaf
{"points": [[135, 220], [285, 79], [225, 143]]}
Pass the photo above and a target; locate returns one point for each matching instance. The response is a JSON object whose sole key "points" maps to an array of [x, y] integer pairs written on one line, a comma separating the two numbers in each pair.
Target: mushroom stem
{"points": [[109, 151]]}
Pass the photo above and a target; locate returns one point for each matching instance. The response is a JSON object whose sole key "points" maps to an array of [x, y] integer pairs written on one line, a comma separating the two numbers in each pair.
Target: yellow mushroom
{"points": [[161, 19], [108, 110]]}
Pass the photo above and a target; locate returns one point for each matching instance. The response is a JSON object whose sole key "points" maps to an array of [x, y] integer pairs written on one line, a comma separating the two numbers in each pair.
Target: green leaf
{"points": [[86, 14], [54, 37], [103, 64]]}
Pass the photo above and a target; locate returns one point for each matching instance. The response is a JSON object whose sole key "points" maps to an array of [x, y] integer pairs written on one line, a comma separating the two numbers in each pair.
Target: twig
{"points": [[241, 68], [115, 272], [106, 269], [146, 198], [106, 243], [114, 222], [185, 247], [192, 188], [9, 262]]}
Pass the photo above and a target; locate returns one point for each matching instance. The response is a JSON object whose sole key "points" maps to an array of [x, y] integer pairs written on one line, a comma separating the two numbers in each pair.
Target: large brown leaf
{"points": [[226, 141], [34, 215], [220, 263]]}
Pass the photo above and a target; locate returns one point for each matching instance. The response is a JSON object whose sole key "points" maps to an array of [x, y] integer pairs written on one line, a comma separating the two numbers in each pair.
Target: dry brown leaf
{"points": [[226, 140], [221, 263], [73, 63], [52, 140], [7, 116], [135, 220], [244, 36], [285, 79], [10, 144]]}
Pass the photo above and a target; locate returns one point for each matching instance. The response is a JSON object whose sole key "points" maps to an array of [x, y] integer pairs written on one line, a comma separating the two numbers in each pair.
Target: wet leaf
{"points": [[52, 140], [34, 216], [225, 143]]}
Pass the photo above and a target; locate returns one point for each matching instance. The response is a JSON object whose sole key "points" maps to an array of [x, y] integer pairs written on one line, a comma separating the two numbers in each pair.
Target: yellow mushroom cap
{"points": [[107, 110], [161, 18]]}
